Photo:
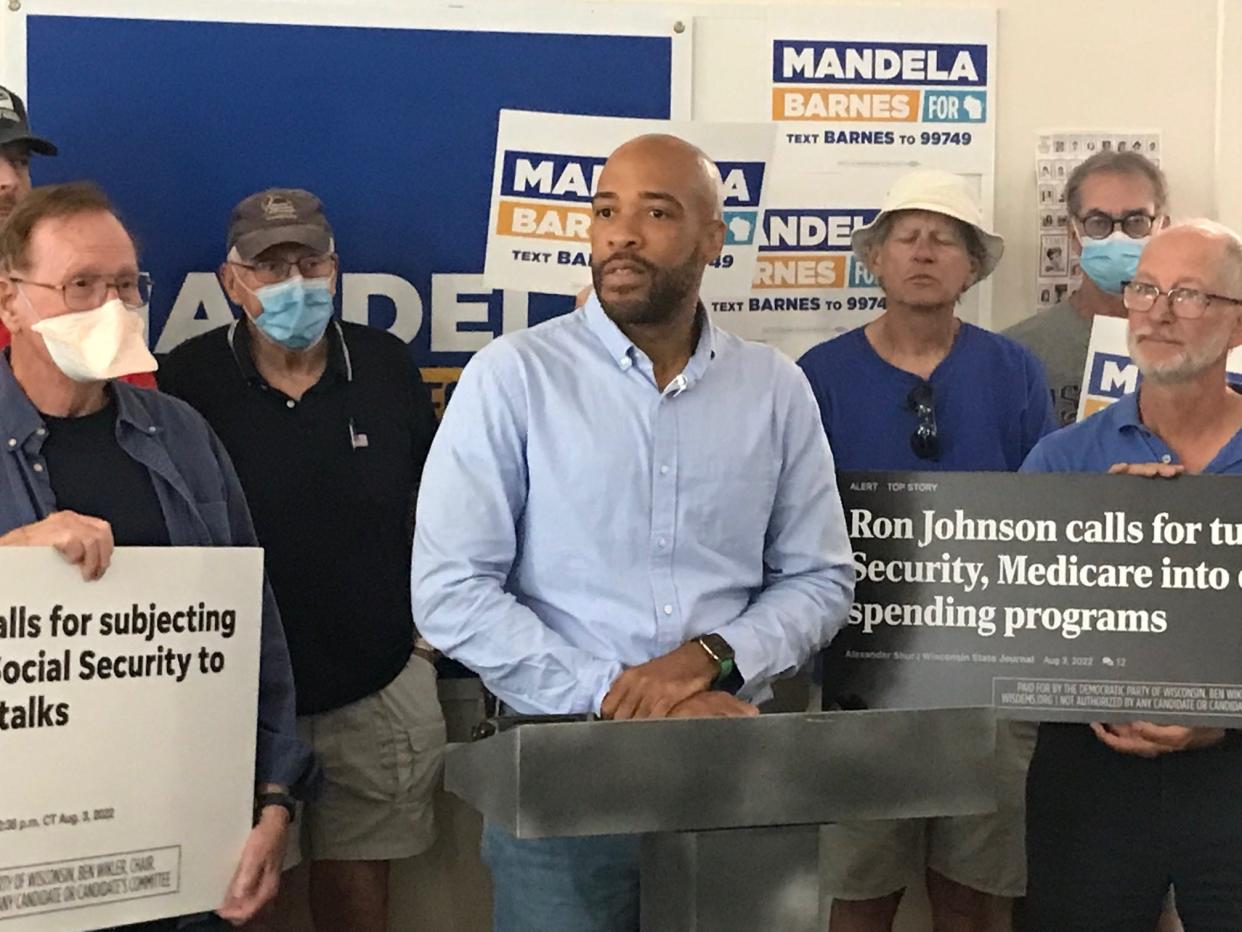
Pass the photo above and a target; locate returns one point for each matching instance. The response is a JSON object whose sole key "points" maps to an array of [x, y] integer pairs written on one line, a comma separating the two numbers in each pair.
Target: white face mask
{"points": [[91, 346]]}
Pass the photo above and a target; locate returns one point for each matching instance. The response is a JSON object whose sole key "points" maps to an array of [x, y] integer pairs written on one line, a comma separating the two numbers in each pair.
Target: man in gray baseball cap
{"points": [[328, 423], [277, 216], [16, 144]]}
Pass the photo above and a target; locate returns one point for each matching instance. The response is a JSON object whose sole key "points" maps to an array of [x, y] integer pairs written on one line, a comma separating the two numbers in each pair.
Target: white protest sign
{"points": [[127, 733], [547, 167], [1110, 373], [877, 85]]}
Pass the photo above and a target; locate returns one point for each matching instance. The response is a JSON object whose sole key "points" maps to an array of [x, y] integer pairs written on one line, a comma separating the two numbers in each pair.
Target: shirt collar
{"points": [[340, 363], [1128, 413], [1128, 418], [621, 348], [20, 419]]}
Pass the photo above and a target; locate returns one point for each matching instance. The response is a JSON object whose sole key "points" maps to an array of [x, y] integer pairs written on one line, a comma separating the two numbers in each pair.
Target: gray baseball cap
{"points": [[15, 127], [275, 216]]}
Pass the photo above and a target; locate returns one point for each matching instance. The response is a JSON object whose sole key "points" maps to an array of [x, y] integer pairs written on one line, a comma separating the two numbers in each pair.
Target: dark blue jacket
{"points": [[203, 506]]}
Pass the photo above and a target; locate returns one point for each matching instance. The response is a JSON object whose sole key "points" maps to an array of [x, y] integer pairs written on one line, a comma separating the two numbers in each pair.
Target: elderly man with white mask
{"points": [[89, 462]]}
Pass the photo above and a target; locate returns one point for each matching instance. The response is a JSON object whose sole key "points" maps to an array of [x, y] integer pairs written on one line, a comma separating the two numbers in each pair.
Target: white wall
{"points": [[1229, 137], [1070, 64]]}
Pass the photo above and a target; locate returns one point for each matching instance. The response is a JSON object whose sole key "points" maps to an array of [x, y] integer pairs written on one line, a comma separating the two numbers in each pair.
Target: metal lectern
{"points": [[728, 808]]}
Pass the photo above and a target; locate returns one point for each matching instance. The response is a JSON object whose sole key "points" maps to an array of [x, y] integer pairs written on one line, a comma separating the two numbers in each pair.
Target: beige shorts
{"points": [[867, 860], [382, 757]]}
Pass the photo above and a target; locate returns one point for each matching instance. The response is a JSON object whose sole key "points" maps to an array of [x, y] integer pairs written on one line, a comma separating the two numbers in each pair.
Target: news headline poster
{"points": [[875, 85], [546, 172], [393, 125], [1067, 597], [1111, 373], [127, 731]]}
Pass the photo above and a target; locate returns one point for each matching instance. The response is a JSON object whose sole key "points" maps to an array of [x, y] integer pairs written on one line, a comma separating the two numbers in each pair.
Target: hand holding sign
{"points": [[1149, 470], [1147, 740], [80, 539]]}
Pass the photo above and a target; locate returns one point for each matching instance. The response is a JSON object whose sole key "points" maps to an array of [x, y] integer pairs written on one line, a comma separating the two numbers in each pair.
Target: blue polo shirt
{"points": [[991, 400], [1117, 435]]}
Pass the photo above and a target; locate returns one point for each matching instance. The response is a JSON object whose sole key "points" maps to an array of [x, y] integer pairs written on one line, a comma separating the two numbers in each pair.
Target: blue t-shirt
{"points": [[990, 397], [1117, 435]]}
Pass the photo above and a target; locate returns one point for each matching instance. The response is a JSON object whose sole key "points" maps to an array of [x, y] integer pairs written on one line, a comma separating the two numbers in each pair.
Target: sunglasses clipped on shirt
{"points": [[925, 441]]}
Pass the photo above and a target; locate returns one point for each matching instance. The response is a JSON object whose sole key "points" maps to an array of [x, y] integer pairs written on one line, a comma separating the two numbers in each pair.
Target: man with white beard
{"points": [[1118, 812]]}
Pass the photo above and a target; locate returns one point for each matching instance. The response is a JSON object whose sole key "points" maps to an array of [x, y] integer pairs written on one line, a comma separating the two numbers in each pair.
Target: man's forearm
{"points": [[787, 623]]}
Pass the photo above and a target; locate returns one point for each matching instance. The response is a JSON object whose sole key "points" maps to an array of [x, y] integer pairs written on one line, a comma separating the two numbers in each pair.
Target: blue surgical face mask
{"points": [[1110, 261], [296, 311]]}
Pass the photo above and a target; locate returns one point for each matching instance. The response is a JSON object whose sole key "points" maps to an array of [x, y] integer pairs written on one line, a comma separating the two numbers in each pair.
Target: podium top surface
{"points": [[596, 778]]}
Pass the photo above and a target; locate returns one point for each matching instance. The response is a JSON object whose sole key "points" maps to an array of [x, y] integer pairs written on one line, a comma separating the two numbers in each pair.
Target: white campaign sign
{"points": [[547, 166], [1110, 373], [809, 286], [127, 733], [878, 85]]}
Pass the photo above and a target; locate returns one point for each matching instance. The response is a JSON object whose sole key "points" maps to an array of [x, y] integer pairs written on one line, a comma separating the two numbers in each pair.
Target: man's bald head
{"points": [[1203, 256], [678, 159], [657, 222], [1206, 249]]}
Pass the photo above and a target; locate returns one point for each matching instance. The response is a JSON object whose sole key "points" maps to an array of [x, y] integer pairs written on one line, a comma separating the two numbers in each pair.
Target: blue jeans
{"points": [[562, 884]]}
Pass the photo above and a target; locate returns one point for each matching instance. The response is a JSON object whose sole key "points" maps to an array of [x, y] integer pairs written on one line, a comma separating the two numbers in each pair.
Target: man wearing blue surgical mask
{"points": [[1115, 201], [328, 424]]}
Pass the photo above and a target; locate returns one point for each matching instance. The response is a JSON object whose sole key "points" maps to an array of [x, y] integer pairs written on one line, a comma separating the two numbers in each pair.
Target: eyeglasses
{"points": [[1099, 225], [1187, 303], [87, 292], [271, 271], [925, 441]]}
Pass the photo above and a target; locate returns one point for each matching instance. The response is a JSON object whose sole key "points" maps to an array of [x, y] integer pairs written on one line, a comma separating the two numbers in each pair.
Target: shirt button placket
{"points": [[664, 519]]}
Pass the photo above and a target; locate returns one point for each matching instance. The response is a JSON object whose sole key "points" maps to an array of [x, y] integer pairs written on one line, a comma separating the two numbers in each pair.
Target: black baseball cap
{"points": [[15, 127], [275, 216]]}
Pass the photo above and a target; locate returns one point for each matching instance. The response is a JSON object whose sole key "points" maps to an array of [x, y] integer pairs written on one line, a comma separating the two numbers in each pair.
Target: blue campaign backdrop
{"points": [[395, 129]]}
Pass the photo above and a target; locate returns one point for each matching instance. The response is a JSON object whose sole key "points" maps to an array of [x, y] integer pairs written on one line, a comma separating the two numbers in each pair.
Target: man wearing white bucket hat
{"points": [[917, 388]]}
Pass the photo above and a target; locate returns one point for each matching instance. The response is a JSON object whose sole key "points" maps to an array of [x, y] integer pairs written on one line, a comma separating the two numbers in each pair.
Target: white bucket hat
{"points": [[940, 192]]}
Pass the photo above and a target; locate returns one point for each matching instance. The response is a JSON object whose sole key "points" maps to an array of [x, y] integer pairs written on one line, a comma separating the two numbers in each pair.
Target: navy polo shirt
{"points": [[331, 479]]}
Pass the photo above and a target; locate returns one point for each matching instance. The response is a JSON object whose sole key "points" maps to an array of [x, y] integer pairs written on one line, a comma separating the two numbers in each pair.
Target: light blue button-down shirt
{"points": [[574, 520]]}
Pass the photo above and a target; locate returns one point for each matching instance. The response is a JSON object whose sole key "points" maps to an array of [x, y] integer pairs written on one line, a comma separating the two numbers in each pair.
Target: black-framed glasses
{"points": [[87, 292], [271, 271], [925, 441], [1187, 303], [1136, 224]]}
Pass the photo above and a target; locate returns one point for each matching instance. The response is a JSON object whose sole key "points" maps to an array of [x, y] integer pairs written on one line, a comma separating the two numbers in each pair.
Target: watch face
{"points": [[720, 647]]}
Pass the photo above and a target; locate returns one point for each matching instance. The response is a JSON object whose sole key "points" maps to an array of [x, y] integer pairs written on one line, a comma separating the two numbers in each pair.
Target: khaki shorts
{"points": [[382, 757], [867, 860]]}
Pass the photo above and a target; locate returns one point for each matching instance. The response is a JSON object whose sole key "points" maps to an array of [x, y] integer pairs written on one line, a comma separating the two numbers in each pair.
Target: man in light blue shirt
{"points": [[628, 511]]}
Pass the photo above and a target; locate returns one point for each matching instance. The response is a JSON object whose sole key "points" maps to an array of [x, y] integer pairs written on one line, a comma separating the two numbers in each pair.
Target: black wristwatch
{"points": [[728, 679], [263, 800]]}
